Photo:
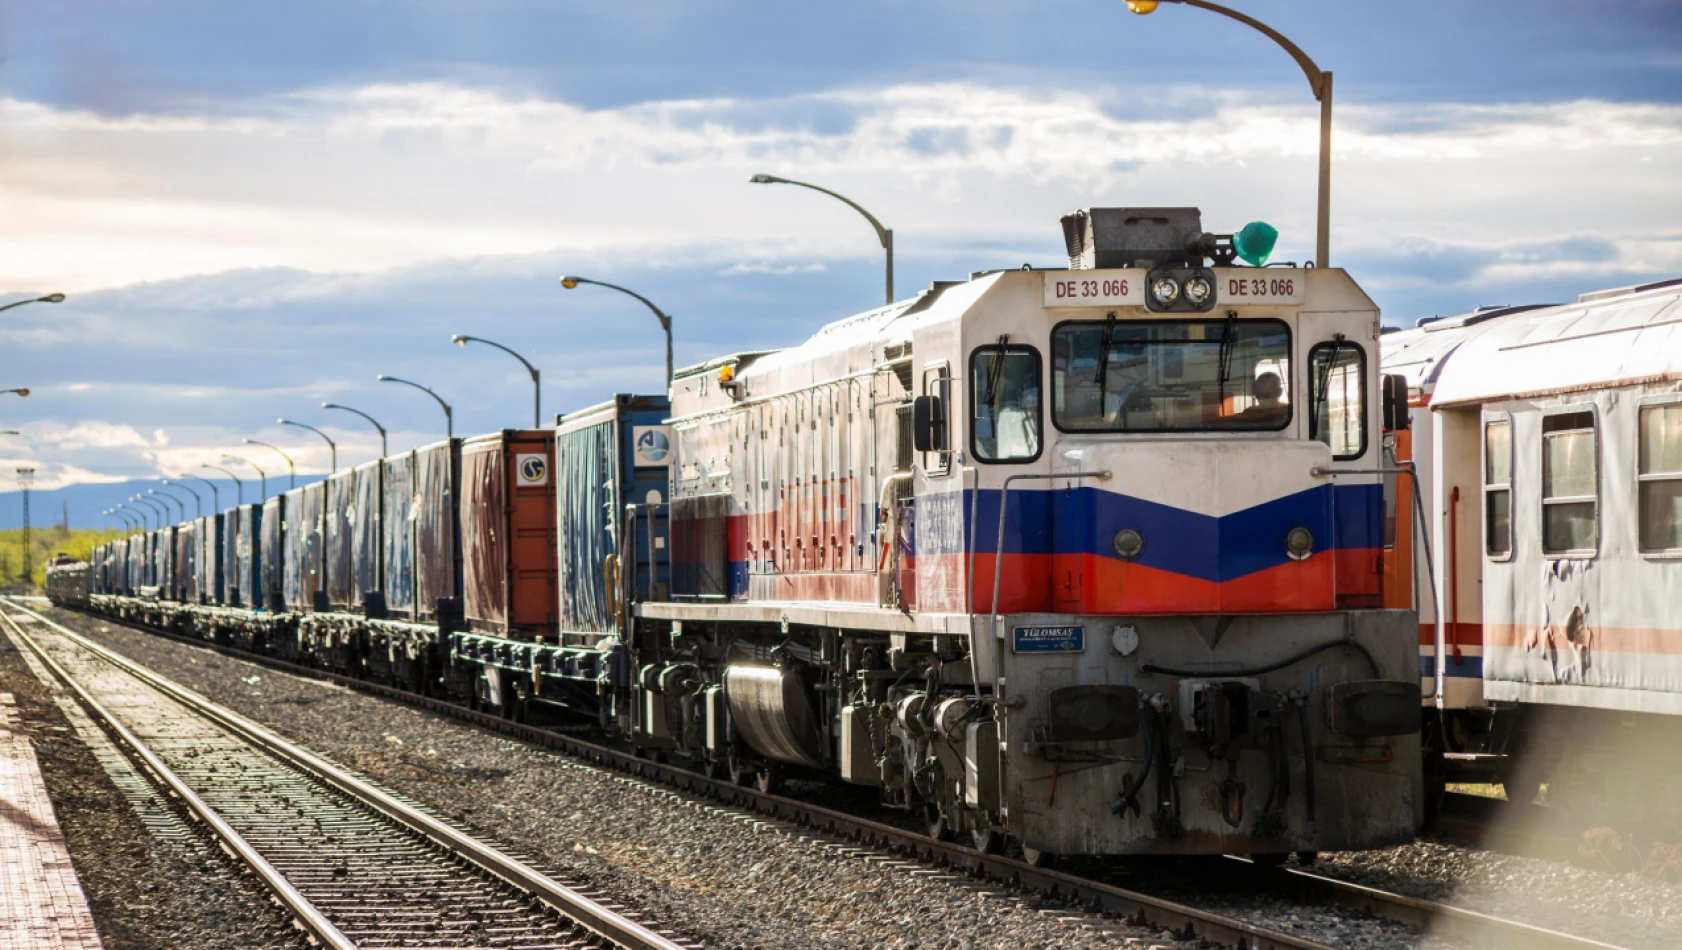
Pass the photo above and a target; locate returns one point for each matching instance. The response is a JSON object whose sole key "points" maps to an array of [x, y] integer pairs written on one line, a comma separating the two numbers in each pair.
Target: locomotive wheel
{"points": [[1038, 858], [938, 827], [1269, 859], [1307, 858], [740, 772], [987, 840]]}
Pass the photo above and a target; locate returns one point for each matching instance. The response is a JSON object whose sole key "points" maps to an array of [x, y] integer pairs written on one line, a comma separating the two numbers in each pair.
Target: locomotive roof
{"points": [[1607, 338]]}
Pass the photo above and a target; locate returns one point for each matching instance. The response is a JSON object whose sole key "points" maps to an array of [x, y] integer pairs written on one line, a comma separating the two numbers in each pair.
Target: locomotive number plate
{"points": [[1260, 285], [1048, 640], [1095, 288]]}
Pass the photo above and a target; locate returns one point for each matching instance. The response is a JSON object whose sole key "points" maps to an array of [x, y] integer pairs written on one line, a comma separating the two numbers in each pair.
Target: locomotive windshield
{"points": [[1171, 375]]}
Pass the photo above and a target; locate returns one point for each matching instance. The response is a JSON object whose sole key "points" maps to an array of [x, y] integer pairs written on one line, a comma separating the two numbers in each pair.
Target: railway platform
{"points": [[42, 906]]}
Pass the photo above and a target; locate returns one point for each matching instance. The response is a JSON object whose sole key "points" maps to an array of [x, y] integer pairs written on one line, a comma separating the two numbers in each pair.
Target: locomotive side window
{"points": [[1337, 409], [1005, 403], [1660, 476], [1570, 493], [1171, 376], [1498, 488]]}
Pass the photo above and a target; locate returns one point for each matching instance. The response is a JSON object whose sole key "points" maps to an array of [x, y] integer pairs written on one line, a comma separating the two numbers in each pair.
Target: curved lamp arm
{"points": [[371, 419]]}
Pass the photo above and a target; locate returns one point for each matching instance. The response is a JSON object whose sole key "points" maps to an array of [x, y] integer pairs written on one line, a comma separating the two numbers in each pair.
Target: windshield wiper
{"points": [[1228, 347], [1104, 358], [994, 374]]}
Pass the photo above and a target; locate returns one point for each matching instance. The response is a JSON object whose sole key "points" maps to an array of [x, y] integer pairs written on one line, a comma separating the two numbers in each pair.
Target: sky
{"points": [[258, 208]]}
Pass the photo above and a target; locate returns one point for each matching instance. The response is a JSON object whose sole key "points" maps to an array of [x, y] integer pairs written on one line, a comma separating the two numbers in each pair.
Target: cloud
{"points": [[353, 181], [260, 257]]}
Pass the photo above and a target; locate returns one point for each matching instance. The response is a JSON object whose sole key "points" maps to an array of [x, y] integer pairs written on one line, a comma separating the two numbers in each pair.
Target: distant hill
{"points": [[84, 503]]}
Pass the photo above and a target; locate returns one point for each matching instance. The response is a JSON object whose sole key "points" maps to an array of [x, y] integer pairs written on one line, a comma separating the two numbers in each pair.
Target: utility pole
{"points": [[26, 480]]}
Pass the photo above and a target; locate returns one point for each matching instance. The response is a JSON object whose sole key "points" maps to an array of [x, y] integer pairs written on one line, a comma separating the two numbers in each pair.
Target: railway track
{"points": [[355, 866], [1443, 921]]}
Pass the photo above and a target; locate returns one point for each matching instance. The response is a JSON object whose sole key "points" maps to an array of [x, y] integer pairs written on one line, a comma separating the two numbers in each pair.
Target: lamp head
{"points": [[460, 340], [1141, 7], [50, 298], [283, 422], [569, 282], [764, 180], [383, 378]]}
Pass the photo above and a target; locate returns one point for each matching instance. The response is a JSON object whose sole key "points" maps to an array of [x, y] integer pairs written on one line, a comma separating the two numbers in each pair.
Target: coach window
{"points": [[1569, 485], [1660, 476], [1337, 408], [1004, 396], [1498, 488]]}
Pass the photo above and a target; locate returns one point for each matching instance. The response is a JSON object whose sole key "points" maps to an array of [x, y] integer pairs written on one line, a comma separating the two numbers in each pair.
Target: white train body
{"points": [[1554, 479], [1044, 560]]}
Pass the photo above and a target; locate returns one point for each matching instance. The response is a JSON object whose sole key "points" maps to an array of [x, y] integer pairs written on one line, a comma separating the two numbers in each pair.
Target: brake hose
{"points": [[1129, 794], [1372, 663], [1307, 771]]}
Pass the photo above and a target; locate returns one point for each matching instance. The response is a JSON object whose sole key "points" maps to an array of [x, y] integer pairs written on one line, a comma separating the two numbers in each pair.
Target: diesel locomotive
{"points": [[1093, 558]]}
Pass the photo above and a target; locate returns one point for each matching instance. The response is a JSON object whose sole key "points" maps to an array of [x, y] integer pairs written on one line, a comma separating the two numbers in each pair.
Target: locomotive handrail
{"points": [[1004, 496], [1439, 675]]}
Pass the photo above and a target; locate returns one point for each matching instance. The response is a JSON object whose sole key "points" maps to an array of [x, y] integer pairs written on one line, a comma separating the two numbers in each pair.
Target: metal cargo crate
{"points": [[337, 538], [437, 550], [397, 534], [508, 534], [271, 559], [366, 553], [609, 457]]}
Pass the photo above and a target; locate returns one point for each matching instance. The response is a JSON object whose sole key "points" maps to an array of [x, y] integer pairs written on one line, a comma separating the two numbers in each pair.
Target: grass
{"points": [[44, 542]]}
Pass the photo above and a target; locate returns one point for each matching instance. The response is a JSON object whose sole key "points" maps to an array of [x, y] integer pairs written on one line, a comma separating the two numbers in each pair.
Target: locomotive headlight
{"points": [[1128, 543], [1299, 543], [1165, 290], [1198, 290]]}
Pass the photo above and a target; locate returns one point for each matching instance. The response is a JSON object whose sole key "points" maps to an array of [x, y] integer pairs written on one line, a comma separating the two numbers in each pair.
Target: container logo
{"points": [[533, 469], [653, 445]]}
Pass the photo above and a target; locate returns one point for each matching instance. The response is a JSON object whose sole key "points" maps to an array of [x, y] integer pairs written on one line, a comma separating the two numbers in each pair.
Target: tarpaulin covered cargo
{"points": [[210, 565], [272, 557], [397, 532], [310, 522], [341, 508], [437, 553], [242, 528], [508, 533], [607, 456], [363, 522], [163, 553], [185, 561]]}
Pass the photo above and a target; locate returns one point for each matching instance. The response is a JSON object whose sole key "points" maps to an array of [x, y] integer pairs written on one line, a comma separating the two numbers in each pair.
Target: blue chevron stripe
{"points": [[1085, 520]]}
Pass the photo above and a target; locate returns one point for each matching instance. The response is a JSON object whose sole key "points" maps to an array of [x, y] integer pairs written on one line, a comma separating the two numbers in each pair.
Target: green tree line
{"points": [[44, 542]]}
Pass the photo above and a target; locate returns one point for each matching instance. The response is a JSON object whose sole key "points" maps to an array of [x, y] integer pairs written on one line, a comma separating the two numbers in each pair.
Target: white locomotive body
{"points": [[1092, 558]]}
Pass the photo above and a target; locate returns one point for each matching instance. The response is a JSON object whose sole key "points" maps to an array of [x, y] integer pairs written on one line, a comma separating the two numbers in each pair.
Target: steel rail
{"points": [[607, 924], [1445, 920], [310, 920]]}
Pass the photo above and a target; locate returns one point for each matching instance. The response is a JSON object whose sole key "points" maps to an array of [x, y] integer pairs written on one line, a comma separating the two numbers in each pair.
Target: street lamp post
{"points": [[1319, 82], [215, 495], [239, 486], [198, 503], [169, 499], [152, 506], [332, 447], [291, 470], [883, 234], [198, 507], [449, 414], [263, 483], [50, 298], [569, 282], [334, 405], [462, 340]]}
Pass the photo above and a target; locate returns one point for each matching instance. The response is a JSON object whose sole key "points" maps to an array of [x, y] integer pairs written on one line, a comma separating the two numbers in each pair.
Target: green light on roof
{"points": [[1254, 243]]}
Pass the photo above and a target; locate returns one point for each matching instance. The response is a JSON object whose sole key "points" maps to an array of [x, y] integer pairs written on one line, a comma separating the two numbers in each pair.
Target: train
{"points": [[1547, 441], [1084, 560]]}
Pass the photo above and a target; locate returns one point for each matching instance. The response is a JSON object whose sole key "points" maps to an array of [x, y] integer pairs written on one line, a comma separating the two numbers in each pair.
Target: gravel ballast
{"points": [[147, 891], [737, 881]]}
